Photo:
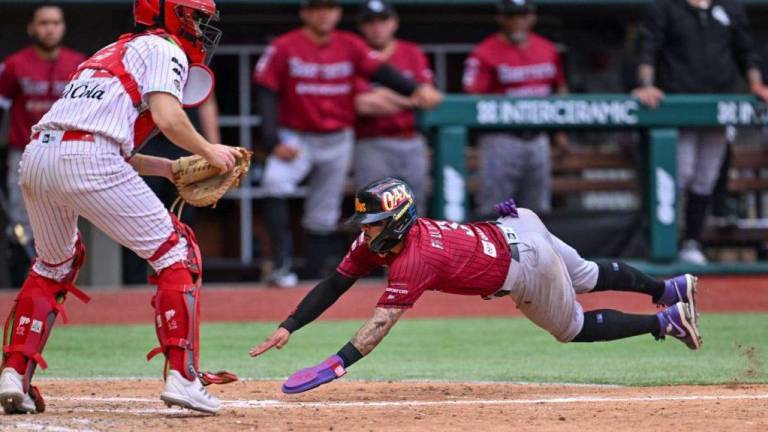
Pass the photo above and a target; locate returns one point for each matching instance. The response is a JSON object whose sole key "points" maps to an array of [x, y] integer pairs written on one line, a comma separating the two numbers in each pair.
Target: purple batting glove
{"points": [[311, 377]]}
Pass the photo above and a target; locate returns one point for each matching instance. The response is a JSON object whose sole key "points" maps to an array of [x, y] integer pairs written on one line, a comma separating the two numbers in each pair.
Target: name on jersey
{"points": [[534, 72], [83, 90], [396, 290], [322, 89], [299, 68]]}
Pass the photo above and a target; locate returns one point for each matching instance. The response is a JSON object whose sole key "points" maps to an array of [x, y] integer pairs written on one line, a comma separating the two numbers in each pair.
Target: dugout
{"points": [[595, 36]]}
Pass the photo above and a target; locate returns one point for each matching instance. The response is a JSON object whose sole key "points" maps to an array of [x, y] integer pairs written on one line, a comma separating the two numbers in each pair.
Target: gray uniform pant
{"points": [[513, 167], [325, 158], [700, 154], [550, 273], [405, 158]]}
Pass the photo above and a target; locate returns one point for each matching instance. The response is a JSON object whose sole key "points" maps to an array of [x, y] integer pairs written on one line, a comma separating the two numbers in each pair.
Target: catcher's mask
{"points": [[390, 200], [189, 20]]}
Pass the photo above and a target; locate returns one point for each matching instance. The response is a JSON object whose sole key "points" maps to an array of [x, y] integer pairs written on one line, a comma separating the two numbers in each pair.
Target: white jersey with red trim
{"points": [[98, 103]]}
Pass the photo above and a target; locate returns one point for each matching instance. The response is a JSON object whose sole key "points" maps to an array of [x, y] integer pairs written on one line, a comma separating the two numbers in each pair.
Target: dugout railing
{"points": [[451, 122]]}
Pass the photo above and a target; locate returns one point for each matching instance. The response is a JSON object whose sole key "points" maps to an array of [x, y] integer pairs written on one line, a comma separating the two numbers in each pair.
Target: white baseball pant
{"points": [[63, 180]]}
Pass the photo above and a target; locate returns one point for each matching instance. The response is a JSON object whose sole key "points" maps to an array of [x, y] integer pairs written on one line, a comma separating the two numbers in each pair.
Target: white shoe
{"points": [[188, 394], [691, 253], [12, 395], [282, 278]]}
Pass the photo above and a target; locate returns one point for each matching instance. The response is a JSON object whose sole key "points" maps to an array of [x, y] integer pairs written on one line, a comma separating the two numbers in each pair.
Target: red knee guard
{"points": [[33, 314]]}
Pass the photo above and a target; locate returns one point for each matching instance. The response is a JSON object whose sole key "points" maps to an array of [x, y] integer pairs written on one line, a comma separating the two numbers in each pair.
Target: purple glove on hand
{"points": [[311, 377]]}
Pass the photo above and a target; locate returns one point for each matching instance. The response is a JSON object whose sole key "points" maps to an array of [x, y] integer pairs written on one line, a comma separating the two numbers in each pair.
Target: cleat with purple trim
{"points": [[680, 289], [677, 321]]}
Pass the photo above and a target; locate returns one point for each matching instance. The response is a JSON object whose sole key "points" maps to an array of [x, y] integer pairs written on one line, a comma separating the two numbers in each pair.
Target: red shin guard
{"points": [[32, 317], [177, 310], [176, 319]]}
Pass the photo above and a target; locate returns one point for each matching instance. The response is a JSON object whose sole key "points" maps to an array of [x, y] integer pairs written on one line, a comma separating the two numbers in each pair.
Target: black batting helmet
{"points": [[391, 200]]}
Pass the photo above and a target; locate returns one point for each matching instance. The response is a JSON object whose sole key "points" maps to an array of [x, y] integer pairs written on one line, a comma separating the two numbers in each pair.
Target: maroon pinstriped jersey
{"points": [[32, 84], [497, 66], [315, 81], [465, 259]]}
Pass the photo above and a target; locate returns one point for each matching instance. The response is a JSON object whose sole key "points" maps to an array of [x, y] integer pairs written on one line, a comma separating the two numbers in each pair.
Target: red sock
{"points": [[176, 362], [17, 361]]}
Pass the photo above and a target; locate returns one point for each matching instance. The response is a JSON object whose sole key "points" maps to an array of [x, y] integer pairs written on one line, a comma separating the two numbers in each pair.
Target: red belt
{"points": [[75, 135]]}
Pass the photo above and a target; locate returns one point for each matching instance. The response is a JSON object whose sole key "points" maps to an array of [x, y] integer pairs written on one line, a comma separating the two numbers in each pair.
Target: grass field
{"points": [[446, 349]]}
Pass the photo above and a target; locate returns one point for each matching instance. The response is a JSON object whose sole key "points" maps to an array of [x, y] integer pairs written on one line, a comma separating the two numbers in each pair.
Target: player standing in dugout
{"points": [[305, 91], [387, 142], [516, 62], [514, 256], [696, 46], [31, 80]]}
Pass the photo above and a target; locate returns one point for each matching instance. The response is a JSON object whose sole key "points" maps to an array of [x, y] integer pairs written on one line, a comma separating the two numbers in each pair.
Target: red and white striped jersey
{"points": [[97, 102]]}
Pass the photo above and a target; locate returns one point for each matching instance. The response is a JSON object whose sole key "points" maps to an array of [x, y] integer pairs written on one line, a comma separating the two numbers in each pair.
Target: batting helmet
{"points": [[390, 200], [188, 20]]}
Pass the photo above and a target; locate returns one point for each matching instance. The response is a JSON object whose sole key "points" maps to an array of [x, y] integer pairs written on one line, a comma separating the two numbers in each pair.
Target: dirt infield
{"points": [[363, 406], [253, 302]]}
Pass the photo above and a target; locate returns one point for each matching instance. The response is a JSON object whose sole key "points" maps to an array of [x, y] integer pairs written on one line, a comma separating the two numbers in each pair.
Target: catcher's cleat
{"points": [[677, 321], [188, 394], [12, 395]]}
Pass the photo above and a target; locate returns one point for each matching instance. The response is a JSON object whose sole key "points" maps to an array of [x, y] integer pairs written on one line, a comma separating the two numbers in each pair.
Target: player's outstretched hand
{"points": [[311, 377], [426, 96], [278, 340], [221, 156], [649, 96]]}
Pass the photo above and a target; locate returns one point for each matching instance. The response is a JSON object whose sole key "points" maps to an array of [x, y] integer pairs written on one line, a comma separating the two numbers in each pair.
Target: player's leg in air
{"points": [[677, 295]]}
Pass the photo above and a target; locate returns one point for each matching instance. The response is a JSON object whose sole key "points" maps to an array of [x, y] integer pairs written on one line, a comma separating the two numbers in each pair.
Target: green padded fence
{"points": [[452, 121]]}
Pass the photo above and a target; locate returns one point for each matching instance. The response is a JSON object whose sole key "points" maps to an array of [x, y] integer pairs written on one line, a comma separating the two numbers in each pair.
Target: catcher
{"points": [[514, 256], [82, 161]]}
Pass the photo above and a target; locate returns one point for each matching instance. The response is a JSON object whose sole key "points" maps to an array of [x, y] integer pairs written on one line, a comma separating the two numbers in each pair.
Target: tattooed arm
{"points": [[374, 330]]}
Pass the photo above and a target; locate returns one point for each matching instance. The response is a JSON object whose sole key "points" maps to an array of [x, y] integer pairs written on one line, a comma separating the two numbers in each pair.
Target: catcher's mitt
{"points": [[201, 184]]}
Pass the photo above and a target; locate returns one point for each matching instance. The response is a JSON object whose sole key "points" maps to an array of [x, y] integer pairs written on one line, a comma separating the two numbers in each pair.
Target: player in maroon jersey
{"points": [[513, 256], [305, 91], [387, 140], [517, 62], [30, 81]]}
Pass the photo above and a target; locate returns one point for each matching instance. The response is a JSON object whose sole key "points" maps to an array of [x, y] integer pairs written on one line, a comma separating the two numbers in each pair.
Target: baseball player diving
{"points": [[514, 256], [81, 161]]}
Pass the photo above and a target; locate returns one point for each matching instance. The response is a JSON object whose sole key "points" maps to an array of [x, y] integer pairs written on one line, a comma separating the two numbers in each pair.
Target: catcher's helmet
{"points": [[188, 20], [391, 200]]}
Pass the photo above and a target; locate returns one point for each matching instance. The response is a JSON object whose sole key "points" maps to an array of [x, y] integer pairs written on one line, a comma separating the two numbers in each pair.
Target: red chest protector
{"points": [[108, 62]]}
